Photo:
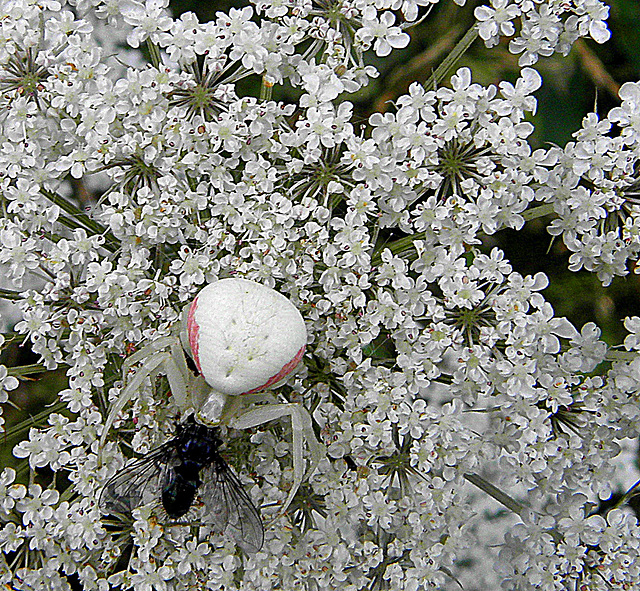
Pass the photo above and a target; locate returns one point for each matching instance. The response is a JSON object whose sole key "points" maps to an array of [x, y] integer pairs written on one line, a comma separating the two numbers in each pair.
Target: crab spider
{"points": [[244, 338]]}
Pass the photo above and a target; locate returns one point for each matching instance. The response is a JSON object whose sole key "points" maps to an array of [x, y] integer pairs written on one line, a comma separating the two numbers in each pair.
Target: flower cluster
{"points": [[594, 186], [543, 27], [432, 370]]}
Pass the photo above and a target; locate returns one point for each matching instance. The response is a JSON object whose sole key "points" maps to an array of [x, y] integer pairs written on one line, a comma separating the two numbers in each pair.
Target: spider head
{"points": [[212, 407]]}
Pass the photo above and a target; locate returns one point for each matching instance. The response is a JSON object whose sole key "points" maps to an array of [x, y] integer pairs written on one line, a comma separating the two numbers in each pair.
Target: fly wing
{"points": [[139, 482], [228, 507]]}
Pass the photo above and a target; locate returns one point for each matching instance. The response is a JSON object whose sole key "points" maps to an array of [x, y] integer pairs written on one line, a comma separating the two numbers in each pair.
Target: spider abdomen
{"points": [[244, 336]]}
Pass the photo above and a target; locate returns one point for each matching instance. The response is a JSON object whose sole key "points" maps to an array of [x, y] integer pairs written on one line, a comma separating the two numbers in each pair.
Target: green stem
{"points": [[26, 370], [458, 51], [11, 336], [22, 428], [7, 294], [497, 494], [519, 509], [538, 212], [154, 54], [628, 356], [266, 91], [626, 497], [71, 223], [403, 247]]}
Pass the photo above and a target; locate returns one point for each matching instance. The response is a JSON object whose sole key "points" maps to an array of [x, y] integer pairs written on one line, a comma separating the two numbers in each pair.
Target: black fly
{"points": [[173, 474]]}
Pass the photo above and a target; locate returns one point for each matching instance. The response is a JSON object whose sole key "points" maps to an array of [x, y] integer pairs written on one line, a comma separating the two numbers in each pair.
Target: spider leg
{"points": [[147, 369], [184, 387], [188, 391], [178, 375], [148, 355], [301, 429], [146, 352]]}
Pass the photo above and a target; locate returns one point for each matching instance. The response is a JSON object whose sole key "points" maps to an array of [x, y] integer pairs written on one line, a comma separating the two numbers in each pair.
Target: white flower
{"points": [[42, 448], [632, 340], [193, 555], [379, 509], [146, 18], [7, 383], [379, 29], [37, 506], [429, 360], [519, 96], [11, 537], [497, 20]]}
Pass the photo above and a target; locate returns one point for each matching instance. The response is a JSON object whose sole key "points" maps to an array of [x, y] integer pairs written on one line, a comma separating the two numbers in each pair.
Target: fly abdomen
{"points": [[178, 495]]}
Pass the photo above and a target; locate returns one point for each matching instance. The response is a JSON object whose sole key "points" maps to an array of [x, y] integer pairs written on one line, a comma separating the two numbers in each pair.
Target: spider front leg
{"points": [[188, 390], [301, 429], [155, 359]]}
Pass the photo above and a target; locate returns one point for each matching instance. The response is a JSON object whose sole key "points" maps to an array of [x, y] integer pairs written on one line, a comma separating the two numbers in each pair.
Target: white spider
{"points": [[244, 338]]}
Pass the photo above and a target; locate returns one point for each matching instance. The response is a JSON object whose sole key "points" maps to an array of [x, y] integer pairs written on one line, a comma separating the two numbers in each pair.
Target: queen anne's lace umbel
{"points": [[430, 363]]}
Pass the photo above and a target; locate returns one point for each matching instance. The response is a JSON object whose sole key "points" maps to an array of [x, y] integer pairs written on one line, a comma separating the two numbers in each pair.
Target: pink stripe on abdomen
{"points": [[193, 331], [287, 368]]}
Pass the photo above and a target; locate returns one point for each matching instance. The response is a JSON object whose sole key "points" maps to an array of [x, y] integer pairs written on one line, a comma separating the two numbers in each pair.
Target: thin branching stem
{"points": [[458, 51]]}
